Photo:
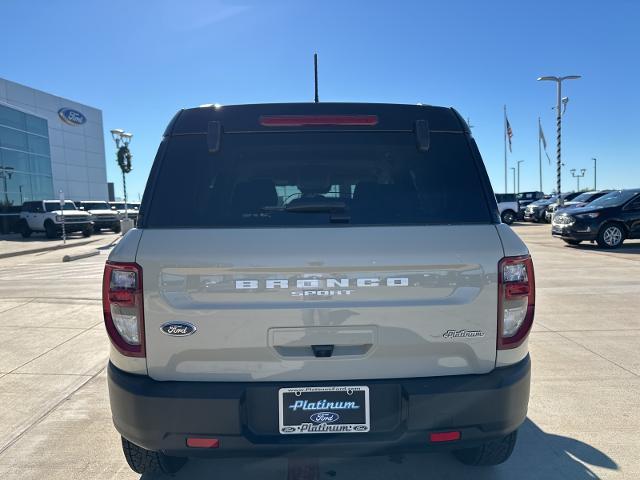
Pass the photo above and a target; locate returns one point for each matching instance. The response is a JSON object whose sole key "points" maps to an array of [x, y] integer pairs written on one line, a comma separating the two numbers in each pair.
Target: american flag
{"points": [[509, 132]]}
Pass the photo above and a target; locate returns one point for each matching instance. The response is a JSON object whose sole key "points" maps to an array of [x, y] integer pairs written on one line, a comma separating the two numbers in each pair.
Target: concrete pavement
{"points": [[584, 414]]}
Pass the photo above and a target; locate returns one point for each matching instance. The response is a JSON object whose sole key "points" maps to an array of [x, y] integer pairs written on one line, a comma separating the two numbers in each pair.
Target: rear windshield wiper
{"points": [[336, 209], [311, 206]]}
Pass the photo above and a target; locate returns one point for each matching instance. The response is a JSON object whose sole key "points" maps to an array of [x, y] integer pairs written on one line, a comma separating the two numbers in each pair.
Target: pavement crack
{"points": [[598, 354], [14, 440]]}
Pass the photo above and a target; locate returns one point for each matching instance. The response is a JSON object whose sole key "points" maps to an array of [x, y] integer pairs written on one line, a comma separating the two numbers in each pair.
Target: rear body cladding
{"points": [[241, 414]]}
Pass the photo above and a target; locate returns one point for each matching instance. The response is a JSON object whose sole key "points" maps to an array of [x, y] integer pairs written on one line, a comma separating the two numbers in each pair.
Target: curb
{"points": [[56, 247], [45, 249], [78, 256]]}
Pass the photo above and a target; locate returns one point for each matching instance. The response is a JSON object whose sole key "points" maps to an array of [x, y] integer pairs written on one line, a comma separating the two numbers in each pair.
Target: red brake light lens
{"points": [[437, 437], [122, 307], [516, 300], [195, 442], [318, 120]]}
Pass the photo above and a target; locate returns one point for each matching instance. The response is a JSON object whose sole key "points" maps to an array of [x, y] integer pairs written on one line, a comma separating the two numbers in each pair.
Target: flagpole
{"points": [[540, 152], [505, 149]]}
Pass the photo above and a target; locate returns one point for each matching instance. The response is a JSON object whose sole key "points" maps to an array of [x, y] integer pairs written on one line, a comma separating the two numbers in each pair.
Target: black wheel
{"points": [[572, 242], [145, 461], [87, 232], [116, 228], [493, 452], [50, 229], [508, 217], [96, 229], [24, 230], [611, 235]]}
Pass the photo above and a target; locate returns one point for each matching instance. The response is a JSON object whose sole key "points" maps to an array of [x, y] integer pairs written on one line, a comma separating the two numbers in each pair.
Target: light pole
{"points": [[514, 178], [559, 113], [595, 173], [578, 177], [519, 162], [122, 140], [6, 173]]}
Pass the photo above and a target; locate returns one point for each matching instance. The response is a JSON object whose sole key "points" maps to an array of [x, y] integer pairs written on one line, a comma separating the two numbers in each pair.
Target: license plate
{"points": [[324, 410]]}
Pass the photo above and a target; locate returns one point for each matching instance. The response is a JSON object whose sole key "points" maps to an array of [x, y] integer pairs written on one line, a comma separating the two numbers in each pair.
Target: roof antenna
{"points": [[315, 73]]}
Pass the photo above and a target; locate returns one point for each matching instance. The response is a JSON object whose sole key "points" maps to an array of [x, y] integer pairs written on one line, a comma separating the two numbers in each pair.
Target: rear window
{"points": [[317, 179], [505, 197]]}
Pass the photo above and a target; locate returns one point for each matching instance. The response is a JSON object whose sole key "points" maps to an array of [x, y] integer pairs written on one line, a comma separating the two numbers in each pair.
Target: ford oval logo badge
{"points": [[178, 329], [71, 116], [324, 417]]}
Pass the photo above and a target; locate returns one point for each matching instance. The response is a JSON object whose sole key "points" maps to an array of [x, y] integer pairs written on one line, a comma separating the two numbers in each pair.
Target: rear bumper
{"points": [[244, 416]]}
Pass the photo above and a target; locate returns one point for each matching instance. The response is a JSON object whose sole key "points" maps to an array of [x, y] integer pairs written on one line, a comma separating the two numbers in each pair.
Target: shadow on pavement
{"points": [[538, 455], [628, 247]]}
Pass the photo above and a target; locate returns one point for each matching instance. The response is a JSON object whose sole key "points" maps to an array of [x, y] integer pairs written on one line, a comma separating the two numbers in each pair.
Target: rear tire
{"points": [[50, 229], [87, 232], [508, 217], [573, 242], [611, 235], [116, 228], [145, 461], [24, 229], [493, 452]]}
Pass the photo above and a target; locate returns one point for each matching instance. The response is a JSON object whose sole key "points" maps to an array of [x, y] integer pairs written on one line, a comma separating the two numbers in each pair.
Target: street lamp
{"points": [[122, 140], [559, 113], [519, 162], [595, 173], [6, 173], [578, 176], [514, 179]]}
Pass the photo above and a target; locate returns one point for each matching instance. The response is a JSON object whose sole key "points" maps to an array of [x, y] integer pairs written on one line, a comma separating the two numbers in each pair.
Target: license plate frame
{"points": [[324, 410]]}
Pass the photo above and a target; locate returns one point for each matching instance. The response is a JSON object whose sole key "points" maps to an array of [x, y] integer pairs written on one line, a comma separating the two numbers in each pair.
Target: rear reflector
{"points": [[444, 436], [317, 120], [203, 442]]}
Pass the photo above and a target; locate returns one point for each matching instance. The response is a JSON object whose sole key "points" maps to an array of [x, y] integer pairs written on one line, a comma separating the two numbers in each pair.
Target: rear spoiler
{"points": [[423, 136]]}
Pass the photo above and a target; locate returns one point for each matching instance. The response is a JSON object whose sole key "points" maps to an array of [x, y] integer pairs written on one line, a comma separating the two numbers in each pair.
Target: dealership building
{"points": [[48, 144]]}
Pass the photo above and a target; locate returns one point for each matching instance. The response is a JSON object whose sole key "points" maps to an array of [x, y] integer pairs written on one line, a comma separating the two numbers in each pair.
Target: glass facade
{"points": [[25, 159]]}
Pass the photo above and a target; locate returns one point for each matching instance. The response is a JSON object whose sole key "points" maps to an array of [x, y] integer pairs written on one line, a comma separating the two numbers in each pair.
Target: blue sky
{"points": [[142, 61]]}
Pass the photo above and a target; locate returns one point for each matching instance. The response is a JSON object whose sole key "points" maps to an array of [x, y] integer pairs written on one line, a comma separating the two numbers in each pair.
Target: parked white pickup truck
{"points": [[47, 216], [508, 206]]}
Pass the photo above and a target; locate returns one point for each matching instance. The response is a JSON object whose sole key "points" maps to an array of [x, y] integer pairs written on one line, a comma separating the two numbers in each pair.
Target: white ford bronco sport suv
{"points": [[48, 216], [335, 280], [103, 215]]}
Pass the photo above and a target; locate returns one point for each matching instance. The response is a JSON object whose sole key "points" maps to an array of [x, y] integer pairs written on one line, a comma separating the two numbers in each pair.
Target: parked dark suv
{"points": [[536, 211], [525, 198], [609, 220]]}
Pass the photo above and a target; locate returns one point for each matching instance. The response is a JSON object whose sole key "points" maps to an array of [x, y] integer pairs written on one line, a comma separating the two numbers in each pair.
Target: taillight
{"points": [[122, 307], [516, 300], [317, 120]]}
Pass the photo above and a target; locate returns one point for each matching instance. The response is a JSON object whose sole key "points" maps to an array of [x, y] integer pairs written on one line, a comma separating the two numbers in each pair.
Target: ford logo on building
{"points": [[71, 116], [178, 329], [324, 417]]}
